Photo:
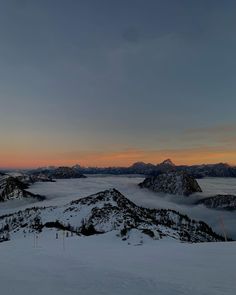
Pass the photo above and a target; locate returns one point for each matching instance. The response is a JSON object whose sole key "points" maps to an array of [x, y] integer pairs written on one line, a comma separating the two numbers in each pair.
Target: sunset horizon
{"points": [[79, 85], [126, 158], [118, 147]]}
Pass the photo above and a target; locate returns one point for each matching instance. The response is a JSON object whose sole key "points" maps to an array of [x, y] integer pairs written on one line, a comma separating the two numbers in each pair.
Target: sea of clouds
{"points": [[63, 191]]}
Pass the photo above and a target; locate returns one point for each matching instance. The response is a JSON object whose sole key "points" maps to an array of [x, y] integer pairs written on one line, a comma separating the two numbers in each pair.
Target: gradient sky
{"points": [[112, 82]]}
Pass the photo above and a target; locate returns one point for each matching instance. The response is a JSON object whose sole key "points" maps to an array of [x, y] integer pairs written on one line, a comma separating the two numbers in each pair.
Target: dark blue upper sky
{"points": [[114, 76]]}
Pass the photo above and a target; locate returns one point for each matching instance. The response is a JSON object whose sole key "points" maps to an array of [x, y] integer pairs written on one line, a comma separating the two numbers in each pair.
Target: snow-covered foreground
{"points": [[106, 265]]}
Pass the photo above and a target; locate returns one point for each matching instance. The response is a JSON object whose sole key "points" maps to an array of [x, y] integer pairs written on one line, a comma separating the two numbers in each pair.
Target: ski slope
{"points": [[106, 265]]}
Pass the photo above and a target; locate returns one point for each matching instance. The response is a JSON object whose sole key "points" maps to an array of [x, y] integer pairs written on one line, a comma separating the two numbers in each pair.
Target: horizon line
{"points": [[111, 166]]}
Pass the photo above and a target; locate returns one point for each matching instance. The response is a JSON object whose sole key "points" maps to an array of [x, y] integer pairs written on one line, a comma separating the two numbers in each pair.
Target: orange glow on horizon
{"points": [[119, 158]]}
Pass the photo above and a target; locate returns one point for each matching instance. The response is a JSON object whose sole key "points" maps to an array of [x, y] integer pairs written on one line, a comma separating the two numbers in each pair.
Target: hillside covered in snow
{"points": [[108, 211]]}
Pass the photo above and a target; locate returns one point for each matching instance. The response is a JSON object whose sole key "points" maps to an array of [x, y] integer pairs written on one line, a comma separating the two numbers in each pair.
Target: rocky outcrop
{"points": [[29, 179], [13, 188], [224, 202], [109, 211], [177, 183], [65, 173]]}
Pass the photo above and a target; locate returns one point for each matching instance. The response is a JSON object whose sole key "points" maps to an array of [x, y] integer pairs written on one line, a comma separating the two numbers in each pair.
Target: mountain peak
{"points": [[167, 162]]}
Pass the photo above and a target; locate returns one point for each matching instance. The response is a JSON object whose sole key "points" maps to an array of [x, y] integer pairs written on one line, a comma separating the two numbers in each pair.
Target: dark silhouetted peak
{"points": [[167, 162], [177, 183], [225, 202]]}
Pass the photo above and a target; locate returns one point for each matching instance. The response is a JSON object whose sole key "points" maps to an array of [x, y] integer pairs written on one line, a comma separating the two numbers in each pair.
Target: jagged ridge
{"points": [[109, 211]]}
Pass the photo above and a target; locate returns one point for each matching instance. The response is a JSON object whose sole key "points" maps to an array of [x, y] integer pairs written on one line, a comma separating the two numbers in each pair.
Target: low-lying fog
{"points": [[63, 191]]}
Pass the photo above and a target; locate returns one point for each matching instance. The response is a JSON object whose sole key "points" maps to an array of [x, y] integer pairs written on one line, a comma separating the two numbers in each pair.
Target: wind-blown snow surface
{"points": [[105, 265]]}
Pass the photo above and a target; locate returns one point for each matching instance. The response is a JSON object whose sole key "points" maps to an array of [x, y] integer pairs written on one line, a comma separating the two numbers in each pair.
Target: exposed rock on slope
{"points": [[12, 188], [66, 172], [177, 183], [105, 212], [29, 179], [227, 202]]}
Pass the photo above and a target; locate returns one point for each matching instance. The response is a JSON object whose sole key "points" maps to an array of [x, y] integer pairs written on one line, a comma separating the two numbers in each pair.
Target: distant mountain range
{"points": [[197, 171]]}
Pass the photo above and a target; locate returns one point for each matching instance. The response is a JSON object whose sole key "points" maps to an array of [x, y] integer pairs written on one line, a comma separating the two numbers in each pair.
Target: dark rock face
{"points": [[177, 183], [29, 179], [105, 212], [224, 202], [56, 173], [65, 173], [12, 188]]}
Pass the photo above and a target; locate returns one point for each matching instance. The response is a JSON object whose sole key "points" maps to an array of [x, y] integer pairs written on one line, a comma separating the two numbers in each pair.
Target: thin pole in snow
{"points": [[34, 240], [63, 240], [223, 227], [37, 237]]}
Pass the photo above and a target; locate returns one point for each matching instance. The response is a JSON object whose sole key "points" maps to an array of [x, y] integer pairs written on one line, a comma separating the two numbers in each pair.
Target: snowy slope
{"points": [[105, 212], [105, 265]]}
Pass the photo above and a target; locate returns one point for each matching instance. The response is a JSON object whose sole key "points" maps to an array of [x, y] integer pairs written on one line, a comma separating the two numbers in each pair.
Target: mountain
{"points": [[66, 172], [108, 211], [165, 166], [142, 168], [28, 178], [167, 162], [197, 171], [58, 173], [177, 183], [211, 170], [12, 188], [226, 202]]}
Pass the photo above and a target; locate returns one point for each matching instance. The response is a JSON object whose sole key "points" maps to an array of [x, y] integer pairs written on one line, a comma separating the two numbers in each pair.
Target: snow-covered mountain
{"points": [[108, 211], [12, 188], [28, 178], [227, 202], [177, 183]]}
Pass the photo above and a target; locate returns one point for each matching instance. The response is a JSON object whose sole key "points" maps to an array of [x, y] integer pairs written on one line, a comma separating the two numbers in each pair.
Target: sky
{"points": [[109, 83]]}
